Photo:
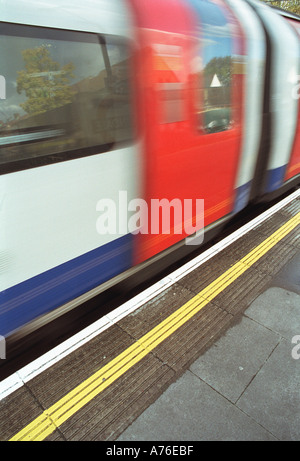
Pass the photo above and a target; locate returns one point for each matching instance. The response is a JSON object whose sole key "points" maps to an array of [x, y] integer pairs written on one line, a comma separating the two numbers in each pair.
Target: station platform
{"points": [[213, 355]]}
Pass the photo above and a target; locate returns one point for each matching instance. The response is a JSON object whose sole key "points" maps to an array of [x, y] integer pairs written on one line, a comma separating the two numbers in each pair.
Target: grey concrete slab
{"points": [[289, 275], [272, 398], [278, 310], [232, 362], [191, 410]]}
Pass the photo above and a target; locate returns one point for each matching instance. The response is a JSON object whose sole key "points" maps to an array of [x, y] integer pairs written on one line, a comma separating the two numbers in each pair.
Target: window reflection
{"points": [[217, 94], [65, 91], [213, 68]]}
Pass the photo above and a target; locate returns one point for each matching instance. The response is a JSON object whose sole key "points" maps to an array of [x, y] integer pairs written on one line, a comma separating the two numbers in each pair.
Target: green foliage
{"points": [[44, 81], [289, 5], [222, 67]]}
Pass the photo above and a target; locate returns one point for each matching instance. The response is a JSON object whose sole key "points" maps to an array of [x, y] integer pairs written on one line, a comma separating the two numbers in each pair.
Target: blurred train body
{"points": [[173, 99]]}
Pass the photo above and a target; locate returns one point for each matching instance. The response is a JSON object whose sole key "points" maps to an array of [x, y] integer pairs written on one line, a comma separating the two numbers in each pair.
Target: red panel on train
{"points": [[183, 158], [294, 165]]}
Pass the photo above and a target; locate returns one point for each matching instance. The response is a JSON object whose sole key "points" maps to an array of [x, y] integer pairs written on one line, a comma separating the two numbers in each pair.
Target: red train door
{"points": [[293, 168], [189, 77]]}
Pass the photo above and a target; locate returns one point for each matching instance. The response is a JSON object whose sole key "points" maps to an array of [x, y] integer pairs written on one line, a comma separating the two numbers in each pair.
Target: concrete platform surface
{"points": [[246, 385]]}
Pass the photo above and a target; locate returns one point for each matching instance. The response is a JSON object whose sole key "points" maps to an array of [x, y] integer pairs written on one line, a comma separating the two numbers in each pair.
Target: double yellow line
{"points": [[62, 410]]}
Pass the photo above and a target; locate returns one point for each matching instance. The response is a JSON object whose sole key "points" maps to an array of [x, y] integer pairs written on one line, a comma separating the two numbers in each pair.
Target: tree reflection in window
{"points": [[68, 95], [45, 82]]}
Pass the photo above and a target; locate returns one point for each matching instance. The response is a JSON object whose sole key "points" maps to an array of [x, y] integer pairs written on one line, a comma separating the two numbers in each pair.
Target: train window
{"points": [[66, 96], [213, 67]]}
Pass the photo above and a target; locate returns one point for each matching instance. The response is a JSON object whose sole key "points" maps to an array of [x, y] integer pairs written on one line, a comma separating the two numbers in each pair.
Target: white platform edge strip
{"points": [[25, 374]]}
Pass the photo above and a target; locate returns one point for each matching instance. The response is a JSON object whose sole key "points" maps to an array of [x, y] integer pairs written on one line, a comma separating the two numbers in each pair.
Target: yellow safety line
{"points": [[62, 410]]}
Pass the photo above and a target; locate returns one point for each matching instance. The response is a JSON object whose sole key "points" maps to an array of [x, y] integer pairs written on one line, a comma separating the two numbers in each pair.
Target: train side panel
{"points": [[67, 150], [284, 49]]}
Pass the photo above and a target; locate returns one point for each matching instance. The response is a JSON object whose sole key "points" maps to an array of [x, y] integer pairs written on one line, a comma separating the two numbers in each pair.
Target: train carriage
{"points": [[119, 102], [63, 152]]}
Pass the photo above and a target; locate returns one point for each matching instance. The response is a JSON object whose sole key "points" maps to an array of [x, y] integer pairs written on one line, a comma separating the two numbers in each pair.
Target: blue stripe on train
{"points": [[242, 196], [275, 178], [28, 300]]}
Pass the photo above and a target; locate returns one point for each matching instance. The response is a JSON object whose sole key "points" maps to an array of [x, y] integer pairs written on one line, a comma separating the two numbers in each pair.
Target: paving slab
{"points": [[233, 361], [289, 275], [272, 398], [191, 410], [278, 310]]}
